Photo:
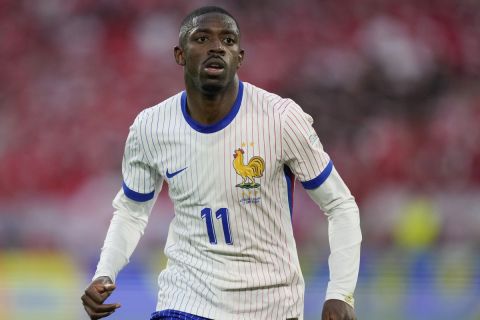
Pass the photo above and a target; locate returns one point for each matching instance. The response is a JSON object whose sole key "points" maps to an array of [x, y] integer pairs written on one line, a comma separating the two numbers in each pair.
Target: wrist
{"points": [[347, 298], [103, 280]]}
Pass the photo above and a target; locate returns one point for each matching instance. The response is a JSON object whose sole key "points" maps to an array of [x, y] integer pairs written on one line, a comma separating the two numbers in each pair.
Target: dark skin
{"points": [[94, 297], [210, 56], [337, 310], [214, 42]]}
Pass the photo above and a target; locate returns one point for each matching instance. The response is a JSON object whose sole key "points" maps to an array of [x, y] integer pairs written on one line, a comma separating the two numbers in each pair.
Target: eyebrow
{"points": [[205, 30]]}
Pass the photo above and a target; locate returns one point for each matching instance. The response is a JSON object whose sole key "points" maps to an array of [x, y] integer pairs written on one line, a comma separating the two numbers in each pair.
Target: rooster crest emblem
{"points": [[253, 169]]}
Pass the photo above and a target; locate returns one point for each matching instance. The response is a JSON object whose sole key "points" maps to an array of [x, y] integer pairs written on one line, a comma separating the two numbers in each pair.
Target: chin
{"points": [[212, 88], [215, 85]]}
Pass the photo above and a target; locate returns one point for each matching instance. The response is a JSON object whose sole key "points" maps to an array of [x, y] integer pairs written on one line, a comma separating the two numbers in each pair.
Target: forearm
{"points": [[126, 227], [345, 236], [122, 238]]}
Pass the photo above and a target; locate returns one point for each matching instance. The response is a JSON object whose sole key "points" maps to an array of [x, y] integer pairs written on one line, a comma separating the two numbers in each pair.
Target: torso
{"points": [[230, 246]]}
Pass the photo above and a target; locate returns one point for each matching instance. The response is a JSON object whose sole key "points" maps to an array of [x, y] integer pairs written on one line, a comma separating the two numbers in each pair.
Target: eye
{"points": [[201, 39], [229, 41]]}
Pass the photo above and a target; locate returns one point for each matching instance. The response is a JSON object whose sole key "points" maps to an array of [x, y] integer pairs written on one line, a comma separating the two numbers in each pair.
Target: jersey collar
{"points": [[218, 125]]}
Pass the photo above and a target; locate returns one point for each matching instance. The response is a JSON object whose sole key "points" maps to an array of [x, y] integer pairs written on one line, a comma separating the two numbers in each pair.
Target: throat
{"points": [[207, 114], [209, 109]]}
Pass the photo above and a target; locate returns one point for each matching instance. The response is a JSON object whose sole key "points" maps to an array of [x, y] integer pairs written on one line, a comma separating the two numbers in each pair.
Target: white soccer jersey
{"points": [[230, 246], [231, 250]]}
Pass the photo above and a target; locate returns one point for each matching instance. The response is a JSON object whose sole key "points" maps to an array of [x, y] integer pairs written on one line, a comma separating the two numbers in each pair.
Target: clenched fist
{"points": [[96, 293]]}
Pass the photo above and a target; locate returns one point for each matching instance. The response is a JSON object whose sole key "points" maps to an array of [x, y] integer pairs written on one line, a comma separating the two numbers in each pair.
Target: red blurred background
{"points": [[393, 86]]}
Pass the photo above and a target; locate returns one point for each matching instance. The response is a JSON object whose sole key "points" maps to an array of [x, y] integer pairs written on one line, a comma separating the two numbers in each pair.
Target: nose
{"points": [[217, 47]]}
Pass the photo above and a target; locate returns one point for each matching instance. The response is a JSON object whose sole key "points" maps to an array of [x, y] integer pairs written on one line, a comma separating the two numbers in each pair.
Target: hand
{"points": [[337, 310], [96, 293]]}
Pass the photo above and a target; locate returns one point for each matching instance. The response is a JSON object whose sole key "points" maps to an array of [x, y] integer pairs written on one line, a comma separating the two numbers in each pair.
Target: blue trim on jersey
{"points": [[220, 124], [170, 314], [290, 177], [137, 196], [317, 182]]}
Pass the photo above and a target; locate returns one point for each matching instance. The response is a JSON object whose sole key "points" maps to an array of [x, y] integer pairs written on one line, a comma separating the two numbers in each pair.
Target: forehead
{"points": [[214, 21]]}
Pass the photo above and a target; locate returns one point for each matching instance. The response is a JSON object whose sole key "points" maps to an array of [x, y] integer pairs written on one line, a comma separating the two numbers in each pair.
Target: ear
{"points": [[241, 55], [179, 55]]}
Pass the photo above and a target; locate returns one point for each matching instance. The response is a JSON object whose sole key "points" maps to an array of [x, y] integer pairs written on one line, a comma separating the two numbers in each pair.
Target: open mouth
{"points": [[214, 67]]}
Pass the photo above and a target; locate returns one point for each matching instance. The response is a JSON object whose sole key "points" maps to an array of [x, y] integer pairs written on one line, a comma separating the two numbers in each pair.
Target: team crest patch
{"points": [[253, 169]]}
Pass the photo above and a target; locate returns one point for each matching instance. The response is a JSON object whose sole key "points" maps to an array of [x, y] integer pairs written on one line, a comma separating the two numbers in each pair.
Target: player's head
{"points": [[189, 22], [209, 49]]}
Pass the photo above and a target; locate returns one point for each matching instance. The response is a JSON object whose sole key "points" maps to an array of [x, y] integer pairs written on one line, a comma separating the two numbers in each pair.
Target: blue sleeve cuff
{"points": [[137, 196], [317, 181]]}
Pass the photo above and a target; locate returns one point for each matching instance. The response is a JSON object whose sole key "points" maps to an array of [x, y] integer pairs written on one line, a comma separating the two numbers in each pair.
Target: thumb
{"points": [[108, 287]]}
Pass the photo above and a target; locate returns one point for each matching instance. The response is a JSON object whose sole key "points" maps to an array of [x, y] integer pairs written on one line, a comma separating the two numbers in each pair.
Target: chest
{"points": [[239, 161]]}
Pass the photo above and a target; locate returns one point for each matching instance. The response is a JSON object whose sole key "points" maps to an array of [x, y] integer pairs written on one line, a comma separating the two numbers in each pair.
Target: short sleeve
{"points": [[302, 150], [139, 177]]}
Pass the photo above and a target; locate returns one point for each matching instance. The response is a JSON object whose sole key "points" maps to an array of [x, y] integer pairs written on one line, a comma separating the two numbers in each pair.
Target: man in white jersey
{"points": [[229, 152]]}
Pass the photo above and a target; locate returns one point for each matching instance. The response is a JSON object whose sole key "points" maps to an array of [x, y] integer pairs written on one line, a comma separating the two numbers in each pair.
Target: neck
{"points": [[209, 108]]}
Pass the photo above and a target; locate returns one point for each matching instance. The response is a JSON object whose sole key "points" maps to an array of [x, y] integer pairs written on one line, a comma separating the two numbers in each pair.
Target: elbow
{"points": [[130, 219], [343, 206]]}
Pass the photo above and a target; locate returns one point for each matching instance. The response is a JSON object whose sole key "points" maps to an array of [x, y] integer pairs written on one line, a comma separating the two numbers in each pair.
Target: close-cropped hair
{"points": [[189, 20]]}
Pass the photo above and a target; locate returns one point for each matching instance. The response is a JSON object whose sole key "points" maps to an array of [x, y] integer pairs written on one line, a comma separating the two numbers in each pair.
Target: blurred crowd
{"points": [[393, 86]]}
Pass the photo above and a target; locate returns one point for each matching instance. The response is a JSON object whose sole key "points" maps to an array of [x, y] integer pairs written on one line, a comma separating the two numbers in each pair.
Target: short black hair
{"points": [[188, 22]]}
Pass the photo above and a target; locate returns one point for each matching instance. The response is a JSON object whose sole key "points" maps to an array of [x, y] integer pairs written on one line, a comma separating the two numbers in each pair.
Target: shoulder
{"points": [[270, 102], [160, 110]]}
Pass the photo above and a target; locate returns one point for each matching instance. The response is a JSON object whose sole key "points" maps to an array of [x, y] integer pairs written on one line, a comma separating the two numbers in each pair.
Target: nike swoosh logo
{"points": [[173, 174]]}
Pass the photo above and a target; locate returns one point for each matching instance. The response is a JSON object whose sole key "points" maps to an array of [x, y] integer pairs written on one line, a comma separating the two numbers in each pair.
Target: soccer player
{"points": [[229, 152]]}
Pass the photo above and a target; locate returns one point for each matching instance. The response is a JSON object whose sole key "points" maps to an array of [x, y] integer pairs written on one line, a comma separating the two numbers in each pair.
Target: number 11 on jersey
{"points": [[222, 214]]}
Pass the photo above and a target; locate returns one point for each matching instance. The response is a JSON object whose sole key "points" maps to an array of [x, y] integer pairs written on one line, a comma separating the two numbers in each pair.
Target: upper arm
{"points": [[140, 177], [303, 152], [333, 193]]}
